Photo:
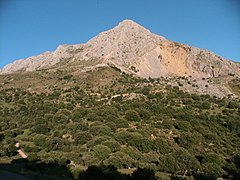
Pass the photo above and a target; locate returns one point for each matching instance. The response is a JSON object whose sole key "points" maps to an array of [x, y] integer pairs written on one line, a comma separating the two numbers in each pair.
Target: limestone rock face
{"points": [[136, 50]]}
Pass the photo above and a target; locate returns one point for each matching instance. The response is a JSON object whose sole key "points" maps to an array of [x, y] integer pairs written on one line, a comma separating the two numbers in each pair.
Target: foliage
{"points": [[101, 151], [150, 126]]}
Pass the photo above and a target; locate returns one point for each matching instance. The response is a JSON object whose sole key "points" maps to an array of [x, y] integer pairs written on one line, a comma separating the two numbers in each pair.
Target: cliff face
{"points": [[134, 49]]}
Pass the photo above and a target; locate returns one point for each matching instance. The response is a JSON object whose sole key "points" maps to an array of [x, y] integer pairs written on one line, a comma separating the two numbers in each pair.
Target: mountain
{"points": [[134, 49], [130, 44], [128, 104]]}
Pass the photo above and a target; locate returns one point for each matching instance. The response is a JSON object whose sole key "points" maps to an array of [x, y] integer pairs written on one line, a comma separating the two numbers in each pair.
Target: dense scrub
{"points": [[142, 126]]}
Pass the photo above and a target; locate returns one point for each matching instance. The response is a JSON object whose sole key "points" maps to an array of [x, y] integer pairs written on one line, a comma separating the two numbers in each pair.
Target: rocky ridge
{"points": [[135, 49]]}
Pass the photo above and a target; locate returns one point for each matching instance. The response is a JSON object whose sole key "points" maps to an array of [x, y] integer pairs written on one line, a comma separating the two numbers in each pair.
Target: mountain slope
{"points": [[132, 47]]}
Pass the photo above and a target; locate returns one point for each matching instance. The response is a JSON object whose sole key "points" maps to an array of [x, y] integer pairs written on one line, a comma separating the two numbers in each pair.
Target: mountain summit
{"points": [[134, 49]]}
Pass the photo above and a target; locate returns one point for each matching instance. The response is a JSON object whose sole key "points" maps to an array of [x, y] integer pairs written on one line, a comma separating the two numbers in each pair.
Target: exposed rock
{"points": [[134, 49]]}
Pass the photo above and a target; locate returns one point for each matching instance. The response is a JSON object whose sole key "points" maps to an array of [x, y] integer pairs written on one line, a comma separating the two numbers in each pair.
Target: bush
{"points": [[41, 129], [121, 123], [187, 140], [32, 157], [132, 115], [213, 171], [184, 126], [101, 151], [79, 113], [113, 145], [233, 104], [161, 146], [54, 143], [60, 119], [146, 91], [145, 145], [179, 162], [206, 105], [144, 114], [120, 160], [82, 138], [40, 140], [122, 137], [213, 158], [96, 141]]}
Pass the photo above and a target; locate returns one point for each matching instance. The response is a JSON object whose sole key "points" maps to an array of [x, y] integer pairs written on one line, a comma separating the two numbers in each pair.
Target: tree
{"points": [[112, 144], [12, 150], [41, 129], [184, 126], [32, 157], [187, 140], [121, 123], [160, 145], [60, 119], [144, 114], [132, 115], [79, 113], [213, 171], [101, 151], [141, 143], [54, 143], [82, 138], [120, 160], [146, 90], [233, 104], [206, 105], [180, 162], [40, 140]]}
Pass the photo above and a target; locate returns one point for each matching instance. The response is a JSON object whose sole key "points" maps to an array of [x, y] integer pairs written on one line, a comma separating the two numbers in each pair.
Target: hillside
{"points": [[112, 118]]}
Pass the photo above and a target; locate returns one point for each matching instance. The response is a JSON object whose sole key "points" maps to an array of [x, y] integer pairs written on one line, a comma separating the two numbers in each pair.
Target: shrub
{"points": [[145, 145], [206, 105], [132, 115], [82, 138], [79, 113], [41, 129], [120, 160], [184, 126], [146, 90], [179, 162], [101, 151], [187, 140], [32, 157], [213, 171], [96, 141], [60, 119], [122, 137], [161, 146], [40, 140], [121, 123], [53, 144], [144, 114], [233, 104], [112, 144]]}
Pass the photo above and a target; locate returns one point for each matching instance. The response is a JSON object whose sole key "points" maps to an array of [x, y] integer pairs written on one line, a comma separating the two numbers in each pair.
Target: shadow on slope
{"points": [[23, 169]]}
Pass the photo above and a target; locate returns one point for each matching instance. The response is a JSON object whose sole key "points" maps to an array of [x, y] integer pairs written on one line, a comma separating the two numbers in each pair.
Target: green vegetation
{"points": [[161, 128]]}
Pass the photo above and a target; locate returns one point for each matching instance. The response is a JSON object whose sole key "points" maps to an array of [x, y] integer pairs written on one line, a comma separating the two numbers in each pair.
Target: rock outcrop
{"points": [[135, 49]]}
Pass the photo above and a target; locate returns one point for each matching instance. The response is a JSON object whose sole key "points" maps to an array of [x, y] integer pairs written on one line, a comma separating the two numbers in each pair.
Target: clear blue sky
{"points": [[31, 27]]}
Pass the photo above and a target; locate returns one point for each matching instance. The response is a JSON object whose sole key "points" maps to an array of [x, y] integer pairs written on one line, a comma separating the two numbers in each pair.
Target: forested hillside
{"points": [[128, 123]]}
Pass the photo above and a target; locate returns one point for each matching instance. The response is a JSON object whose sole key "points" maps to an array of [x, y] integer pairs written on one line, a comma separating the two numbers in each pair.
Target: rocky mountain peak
{"points": [[129, 25], [133, 48], [128, 22]]}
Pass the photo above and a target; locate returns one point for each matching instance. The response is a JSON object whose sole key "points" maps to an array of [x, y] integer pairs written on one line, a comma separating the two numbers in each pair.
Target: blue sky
{"points": [[31, 27]]}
